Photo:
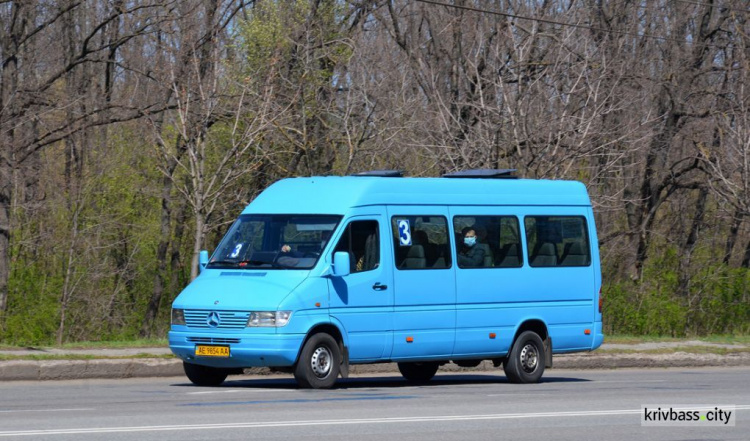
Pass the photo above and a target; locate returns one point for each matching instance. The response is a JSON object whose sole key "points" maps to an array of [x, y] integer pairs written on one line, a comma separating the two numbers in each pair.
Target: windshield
{"points": [[274, 241]]}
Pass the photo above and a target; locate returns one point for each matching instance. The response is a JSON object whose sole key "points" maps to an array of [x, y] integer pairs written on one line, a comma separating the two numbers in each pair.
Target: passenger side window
{"points": [[362, 241], [557, 241], [498, 242], [421, 242]]}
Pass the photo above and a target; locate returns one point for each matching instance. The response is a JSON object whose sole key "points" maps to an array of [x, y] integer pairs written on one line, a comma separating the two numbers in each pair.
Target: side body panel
{"points": [[424, 300], [497, 300], [362, 302]]}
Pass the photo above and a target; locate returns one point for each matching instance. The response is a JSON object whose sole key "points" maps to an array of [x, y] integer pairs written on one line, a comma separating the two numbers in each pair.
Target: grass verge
{"points": [[124, 344], [43, 357], [636, 339], [718, 350]]}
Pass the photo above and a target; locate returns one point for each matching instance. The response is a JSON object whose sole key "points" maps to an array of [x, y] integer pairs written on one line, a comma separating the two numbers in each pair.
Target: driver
{"points": [[324, 236]]}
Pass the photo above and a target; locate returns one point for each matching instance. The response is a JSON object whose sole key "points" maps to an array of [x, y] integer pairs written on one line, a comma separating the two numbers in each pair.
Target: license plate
{"points": [[212, 351]]}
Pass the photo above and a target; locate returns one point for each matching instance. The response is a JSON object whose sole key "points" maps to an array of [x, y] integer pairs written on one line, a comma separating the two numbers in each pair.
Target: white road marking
{"points": [[46, 410], [234, 391], [629, 381], [268, 424], [517, 395]]}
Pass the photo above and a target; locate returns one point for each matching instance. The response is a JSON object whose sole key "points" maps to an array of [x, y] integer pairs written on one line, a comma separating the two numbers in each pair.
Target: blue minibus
{"points": [[321, 273]]}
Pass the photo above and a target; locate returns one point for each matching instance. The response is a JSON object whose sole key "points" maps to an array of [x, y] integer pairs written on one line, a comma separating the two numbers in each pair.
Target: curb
{"points": [[44, 370], [32, 370]]}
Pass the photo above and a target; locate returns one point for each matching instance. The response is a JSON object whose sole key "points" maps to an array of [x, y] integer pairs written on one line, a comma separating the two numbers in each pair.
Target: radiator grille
{"points": [[211, 340], [198, 319]]}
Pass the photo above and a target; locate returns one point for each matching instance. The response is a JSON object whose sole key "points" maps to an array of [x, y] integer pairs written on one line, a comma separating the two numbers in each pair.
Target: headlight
{"points": [[178, 316], [269, 318]]}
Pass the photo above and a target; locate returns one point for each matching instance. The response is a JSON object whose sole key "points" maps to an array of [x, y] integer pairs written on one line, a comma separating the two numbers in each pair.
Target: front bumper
{"points": [[253, 350]]}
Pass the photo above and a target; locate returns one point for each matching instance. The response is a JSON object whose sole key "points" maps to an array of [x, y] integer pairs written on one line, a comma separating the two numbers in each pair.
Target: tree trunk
{"points": [[5, 189], [10, 35], [686, 254], [176, 259], [161, 252], [746, 258], [68, 283], [651, 189], [197, 242], [732, 237]]}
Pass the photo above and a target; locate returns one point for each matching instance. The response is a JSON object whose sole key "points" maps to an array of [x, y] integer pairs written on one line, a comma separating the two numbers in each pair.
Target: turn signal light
{"points": [[410, 339], [587, 331], [493, 335]]}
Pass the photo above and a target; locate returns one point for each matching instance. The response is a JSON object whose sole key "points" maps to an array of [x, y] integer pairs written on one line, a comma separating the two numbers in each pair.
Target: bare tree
{"points": [[32, 114]]}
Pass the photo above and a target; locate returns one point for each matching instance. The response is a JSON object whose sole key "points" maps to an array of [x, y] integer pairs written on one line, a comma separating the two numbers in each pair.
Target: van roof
{"points": [[337, 194]]}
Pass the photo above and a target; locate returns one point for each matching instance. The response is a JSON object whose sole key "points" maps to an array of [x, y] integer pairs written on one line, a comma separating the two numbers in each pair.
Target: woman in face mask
{"points": [[470, 255]]}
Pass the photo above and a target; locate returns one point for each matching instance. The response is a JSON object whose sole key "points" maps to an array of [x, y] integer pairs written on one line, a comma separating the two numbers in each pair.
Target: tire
{"points": [[418, 372], [204, 375], [319, 362], [525, 363]]}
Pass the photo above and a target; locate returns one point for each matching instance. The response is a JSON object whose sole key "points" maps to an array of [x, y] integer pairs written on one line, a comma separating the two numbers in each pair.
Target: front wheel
{"points": [[419, 372], [319, 362], [204, 375], [525, 363]]}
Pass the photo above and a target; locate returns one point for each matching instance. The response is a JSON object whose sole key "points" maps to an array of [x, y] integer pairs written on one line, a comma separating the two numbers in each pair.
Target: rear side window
{"points": [[557, 241], [421, 242], [498, 242]]}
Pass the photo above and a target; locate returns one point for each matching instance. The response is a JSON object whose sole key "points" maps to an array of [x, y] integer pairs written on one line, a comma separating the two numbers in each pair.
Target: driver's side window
{"points": [[362, 241]]}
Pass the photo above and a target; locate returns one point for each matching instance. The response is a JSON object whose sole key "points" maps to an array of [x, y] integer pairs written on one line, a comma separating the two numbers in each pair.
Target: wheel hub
{"points": [[321, 362], [529, 358]]}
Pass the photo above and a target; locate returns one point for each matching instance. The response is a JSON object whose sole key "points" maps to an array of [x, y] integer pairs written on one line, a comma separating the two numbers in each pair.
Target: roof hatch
{"points": [[483, 173], [382, 173]]}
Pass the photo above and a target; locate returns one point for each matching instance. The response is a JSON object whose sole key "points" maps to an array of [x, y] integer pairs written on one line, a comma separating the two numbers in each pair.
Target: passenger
{"points": [[288, 257], [470, 255]]}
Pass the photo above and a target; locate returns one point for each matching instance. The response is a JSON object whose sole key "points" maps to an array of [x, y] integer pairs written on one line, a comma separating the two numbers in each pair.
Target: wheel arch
{"points": [[333, 330], [539, 327]]}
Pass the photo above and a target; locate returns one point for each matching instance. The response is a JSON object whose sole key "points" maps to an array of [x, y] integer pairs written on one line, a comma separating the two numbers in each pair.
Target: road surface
{"points": [[567, 405]]}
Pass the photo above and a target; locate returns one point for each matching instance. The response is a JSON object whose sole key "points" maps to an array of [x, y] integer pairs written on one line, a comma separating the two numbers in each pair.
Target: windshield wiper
{"points": [[274, 264], [223, 262], [254, 263]]}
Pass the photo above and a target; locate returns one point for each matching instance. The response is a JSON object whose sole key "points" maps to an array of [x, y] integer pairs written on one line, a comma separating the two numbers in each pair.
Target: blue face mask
{"points": [[470, 241]]}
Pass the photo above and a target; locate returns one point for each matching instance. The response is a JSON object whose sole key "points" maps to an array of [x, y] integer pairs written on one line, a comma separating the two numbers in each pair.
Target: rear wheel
{"points": [[525, 363], [319, 362], [421, 371], [204, 375]]}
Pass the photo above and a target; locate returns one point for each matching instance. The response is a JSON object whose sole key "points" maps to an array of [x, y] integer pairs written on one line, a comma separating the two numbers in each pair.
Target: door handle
{"points": [[378, 287]]}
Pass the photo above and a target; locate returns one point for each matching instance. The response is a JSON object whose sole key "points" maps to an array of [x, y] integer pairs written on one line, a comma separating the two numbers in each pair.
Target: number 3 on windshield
{"points": [[236, 251]]}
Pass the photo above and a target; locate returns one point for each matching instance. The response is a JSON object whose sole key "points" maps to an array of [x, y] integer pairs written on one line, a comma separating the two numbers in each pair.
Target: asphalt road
{"points": [[568, 405]]}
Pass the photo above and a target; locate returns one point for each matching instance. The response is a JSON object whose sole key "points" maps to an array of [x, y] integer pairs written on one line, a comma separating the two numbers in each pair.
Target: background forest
{"points": [[132, 133]]}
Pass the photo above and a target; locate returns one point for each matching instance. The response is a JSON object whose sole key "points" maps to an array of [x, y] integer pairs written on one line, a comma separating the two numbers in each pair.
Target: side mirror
{"points": [[341, 264], [202, 260]]}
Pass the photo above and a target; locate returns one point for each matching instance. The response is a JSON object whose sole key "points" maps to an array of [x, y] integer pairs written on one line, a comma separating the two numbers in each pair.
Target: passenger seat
{"points": [[414, 258], [509, 256], [488, 259], [546, 255], [574, 255]]}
